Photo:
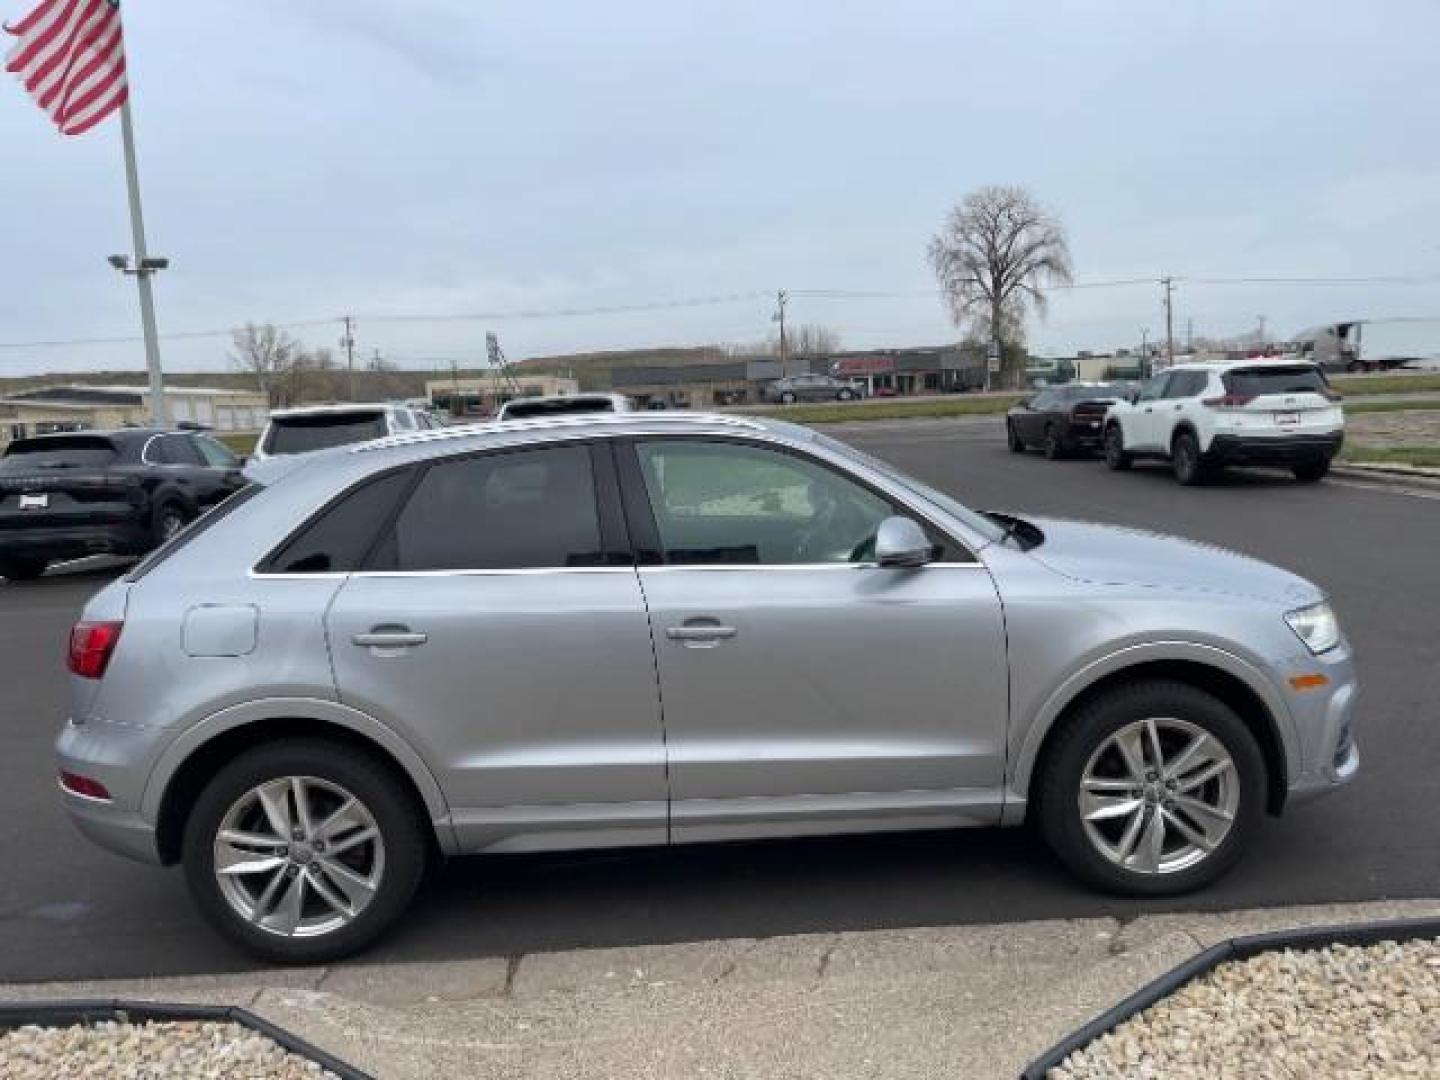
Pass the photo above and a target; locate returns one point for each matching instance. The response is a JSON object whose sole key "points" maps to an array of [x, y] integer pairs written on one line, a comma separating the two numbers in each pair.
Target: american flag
{"points": [[70, 56]]}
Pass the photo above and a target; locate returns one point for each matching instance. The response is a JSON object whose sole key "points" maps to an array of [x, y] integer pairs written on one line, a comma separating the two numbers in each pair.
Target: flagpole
{"points": [[143, 271]]}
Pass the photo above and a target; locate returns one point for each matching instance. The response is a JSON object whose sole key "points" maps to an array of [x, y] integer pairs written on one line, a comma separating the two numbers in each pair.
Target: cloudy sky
{"points": [[405, 162]]}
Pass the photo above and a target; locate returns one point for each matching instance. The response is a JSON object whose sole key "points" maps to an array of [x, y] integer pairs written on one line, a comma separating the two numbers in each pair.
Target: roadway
{"points": [[70, 910]]}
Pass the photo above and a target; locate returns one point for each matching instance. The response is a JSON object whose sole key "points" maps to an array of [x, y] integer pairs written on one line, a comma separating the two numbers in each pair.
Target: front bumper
{"points": [[1273, 449], [1325, 719]]}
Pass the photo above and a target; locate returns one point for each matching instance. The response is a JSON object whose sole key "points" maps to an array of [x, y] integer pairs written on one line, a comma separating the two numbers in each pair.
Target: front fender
{"points": [[282, 708], [1024, 755]]}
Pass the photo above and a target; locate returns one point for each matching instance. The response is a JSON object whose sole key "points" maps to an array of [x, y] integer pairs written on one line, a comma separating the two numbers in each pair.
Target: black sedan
{"points": [[1063, 420], [105, 492]]}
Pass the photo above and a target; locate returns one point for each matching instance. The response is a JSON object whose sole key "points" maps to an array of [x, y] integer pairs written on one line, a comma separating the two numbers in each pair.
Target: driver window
{"points": [[1155, 388], [728, 503]]}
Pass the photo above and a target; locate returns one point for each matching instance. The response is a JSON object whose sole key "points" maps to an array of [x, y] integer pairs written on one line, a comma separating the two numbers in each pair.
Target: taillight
{"points": [[91, 644], [83, 785], [1228, 401]]}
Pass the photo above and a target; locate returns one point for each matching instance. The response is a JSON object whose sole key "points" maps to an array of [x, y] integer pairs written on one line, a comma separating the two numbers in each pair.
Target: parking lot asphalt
{"points": [[70, 910]]}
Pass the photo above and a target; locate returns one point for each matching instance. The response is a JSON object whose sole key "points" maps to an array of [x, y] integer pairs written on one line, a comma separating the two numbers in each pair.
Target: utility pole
{"points": [[1262, 330], [1167, 283], [1144, 352], [781, 299], [348, 344], [1190, 335]]}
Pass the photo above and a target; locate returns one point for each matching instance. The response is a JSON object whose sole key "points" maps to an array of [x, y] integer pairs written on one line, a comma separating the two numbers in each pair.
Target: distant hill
{"points": [[593, 368]]}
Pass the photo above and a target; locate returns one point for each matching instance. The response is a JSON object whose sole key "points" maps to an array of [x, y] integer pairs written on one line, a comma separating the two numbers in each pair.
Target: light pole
{"points": [[142, 271], [1144, 352]]}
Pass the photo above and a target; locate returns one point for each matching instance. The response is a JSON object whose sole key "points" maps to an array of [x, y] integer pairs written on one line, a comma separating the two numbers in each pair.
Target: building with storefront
{"points": [[939, 369], [49, 409], [695, 386]]}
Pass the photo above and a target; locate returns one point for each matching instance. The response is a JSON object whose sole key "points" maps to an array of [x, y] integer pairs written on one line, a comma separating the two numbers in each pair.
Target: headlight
{"points": [[1316, 626]]}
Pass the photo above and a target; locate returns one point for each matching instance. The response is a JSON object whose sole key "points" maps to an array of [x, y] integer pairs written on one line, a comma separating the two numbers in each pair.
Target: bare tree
{"points": [[805, 341], [271, 355], [995, 255]]}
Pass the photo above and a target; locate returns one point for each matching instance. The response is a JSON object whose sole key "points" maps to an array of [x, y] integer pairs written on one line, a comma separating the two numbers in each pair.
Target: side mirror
{"points": [[901, 542]]}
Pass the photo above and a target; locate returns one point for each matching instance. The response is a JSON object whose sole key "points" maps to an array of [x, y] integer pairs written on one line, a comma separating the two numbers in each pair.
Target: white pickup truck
{"points": [[1204, 416]]}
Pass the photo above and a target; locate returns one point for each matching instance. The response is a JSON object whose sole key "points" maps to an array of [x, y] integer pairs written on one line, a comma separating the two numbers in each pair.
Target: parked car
{"points": [[105, 492], [525, 408], [1063, 420], [318, 427], [795, 388], [1202, 417], [461, 644]]}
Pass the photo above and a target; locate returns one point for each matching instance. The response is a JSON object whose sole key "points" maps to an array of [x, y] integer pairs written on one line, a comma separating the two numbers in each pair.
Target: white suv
{"points": [[1203, 417], [318, 427]]}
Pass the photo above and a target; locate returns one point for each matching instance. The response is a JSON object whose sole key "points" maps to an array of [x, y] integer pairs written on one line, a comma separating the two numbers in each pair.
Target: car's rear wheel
{"points": [[845, 395], [1054, 445], [1308, 472], [303, 851], [1012, 437], [1151, 789], [170, 519], [22, 569], [1116, 456], [1185, 459]]}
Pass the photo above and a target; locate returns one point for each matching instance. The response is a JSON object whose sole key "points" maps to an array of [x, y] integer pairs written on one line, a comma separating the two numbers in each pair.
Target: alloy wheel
{"points": [[298, 856], [1159, 796]]}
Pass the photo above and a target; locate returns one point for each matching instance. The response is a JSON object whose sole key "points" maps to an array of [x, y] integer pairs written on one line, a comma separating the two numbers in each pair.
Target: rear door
{"points": [[1281, 399], [499, 624]]}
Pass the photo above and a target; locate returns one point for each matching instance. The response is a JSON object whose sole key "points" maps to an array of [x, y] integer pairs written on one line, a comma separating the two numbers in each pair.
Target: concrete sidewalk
{"points": [[955, 1002]]}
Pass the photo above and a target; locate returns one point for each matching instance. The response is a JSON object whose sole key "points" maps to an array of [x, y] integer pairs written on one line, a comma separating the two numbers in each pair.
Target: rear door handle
{"points": [[390, 639]]}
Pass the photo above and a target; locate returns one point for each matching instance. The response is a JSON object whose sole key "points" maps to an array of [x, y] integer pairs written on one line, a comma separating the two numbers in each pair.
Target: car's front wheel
{"points": [[1185, 459], [1116, 456], [1151, 789], [304, 851], [1310, 471], [845, 395], [1013, 439], [1054, 444]]}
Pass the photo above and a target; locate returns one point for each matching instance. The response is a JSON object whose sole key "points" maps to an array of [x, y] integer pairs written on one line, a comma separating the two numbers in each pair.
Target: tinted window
{"points": [[1252, 382], [216, 454], [557, 407], [1155, 387], [505, 511], [58, 452], [173, 450], [720, 502], [300, 434], [403, 420], [339, 537]]}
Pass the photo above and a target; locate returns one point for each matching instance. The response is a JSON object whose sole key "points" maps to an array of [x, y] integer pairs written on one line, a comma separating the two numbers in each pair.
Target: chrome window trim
{"points": [[529, 571]]}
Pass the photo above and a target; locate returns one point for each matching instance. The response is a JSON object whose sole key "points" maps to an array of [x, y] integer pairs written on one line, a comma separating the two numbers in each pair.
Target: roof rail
{"points": [[578, 420]]}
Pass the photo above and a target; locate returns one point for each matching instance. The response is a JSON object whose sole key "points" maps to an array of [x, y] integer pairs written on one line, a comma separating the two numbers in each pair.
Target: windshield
{"points": [[319, 431], [971, 519], [58, 452], [1253, 382]]}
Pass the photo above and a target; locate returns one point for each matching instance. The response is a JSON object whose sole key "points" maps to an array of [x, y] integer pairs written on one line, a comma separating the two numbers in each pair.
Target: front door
{"points": [[804, 688], [501, 629], [1145, 431]]}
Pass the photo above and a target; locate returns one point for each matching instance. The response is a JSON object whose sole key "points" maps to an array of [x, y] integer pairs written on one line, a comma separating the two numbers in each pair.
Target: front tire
{"points": [[1185, 460], [1152, 789], [1013, 439], [170, 520], [845, 395], [303, 850], [22, 569], [1054, 445], [1116, 456], [1311, 471]]}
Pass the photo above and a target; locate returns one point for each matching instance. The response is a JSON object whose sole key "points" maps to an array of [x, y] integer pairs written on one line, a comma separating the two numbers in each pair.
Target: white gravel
{"points": [[195, 1050], [1341, 1011]]}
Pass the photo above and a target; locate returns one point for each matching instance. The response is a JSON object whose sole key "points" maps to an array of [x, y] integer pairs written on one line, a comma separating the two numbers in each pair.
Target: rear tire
{"points": [[1012, 438], [21, 569], [1054, 445], [170, 519], [1185, 459], [393, 859], [845, 395], [1116, 456], [1310, 472], [1180, 713]]}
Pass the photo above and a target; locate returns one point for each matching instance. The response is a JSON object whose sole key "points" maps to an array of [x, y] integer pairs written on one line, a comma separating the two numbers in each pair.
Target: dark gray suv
{"points": [[795, 388]]}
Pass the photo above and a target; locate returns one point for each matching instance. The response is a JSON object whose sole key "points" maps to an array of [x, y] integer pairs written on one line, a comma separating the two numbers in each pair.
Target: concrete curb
{"points": [[1393, 476]]}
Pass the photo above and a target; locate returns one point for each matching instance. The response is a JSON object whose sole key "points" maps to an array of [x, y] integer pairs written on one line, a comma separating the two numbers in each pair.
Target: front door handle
{"points": [[387, 638], [703, 633]]}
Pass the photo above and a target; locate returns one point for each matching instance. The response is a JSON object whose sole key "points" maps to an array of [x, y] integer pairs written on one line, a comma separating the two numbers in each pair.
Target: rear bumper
{"points": [[76, 541], [1273, 449], [1086, 432]]}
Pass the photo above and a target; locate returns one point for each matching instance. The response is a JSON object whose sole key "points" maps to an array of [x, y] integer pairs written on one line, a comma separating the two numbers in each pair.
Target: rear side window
{"points": [[505, 511], [217, 454], [59, 452], [337, 539], [1253, 382], [172, 450], [319, 431]]}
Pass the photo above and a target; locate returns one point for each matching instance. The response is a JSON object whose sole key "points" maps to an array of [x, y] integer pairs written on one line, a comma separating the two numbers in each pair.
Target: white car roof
{"points": [[1222, 366], [343, 407]]}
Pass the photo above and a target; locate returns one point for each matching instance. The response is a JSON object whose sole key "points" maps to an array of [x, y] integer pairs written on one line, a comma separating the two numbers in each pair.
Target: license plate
{"points": [[1287, 418], [35, 502], [1094, 423]]}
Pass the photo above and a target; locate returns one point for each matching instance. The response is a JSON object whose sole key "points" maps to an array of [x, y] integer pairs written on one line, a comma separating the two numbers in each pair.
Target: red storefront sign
{"points": [[863, 365]]}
